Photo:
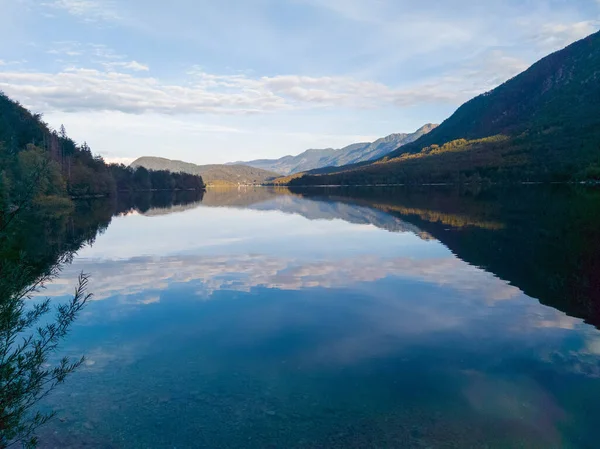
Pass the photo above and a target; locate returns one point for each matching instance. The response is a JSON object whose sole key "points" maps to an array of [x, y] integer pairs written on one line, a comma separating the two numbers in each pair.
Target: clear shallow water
{"points": [[267, 319]]}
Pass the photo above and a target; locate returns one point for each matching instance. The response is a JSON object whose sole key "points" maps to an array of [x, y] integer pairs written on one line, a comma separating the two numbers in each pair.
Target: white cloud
{"points": [[354, 10], [132, 277], [136, 66], [200, 139], [133, 66], [85, 89], [78, 89], [315, 66], [87, 52], [4, 63], [119, 160], [554, 36], [150, 300], [484, 72], [101, 79], [593, 345], [87, 10], [560, 321]]}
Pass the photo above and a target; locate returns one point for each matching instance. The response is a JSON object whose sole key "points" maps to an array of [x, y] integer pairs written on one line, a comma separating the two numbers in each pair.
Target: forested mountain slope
{"points": [[215, 174], [542, 125], [329, 157], [38, 164]]}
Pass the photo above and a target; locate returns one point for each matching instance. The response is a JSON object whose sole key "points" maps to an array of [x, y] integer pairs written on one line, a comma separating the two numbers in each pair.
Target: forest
{"points": [[42, 164], [542, 125]]}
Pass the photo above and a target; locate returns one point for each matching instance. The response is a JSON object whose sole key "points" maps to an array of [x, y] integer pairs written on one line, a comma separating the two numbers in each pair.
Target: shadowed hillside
{"points": [[542, 240], [355, 153], [211, 174], [542, 125], [41, 165]]}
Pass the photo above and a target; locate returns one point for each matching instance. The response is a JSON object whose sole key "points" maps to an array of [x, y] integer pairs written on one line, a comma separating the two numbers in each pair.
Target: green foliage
{"points": [[325, 159], [26, 375], [549, 116], [37, 175], [38, 162], [129, 179], [211, 174], [35, 242], [591, 173], [141, 179]]}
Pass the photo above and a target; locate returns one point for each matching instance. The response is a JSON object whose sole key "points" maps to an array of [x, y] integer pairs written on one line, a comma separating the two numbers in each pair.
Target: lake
{"points": [[335, 318]]}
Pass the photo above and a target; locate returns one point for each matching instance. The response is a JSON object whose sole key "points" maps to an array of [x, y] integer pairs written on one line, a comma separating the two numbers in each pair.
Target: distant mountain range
{"points": [[211, 174], [542, 125], [329, 157], [264, 171]]}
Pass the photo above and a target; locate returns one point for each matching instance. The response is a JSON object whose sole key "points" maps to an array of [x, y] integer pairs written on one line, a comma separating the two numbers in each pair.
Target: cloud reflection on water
{"points": [[264, 310], [243, 272]]}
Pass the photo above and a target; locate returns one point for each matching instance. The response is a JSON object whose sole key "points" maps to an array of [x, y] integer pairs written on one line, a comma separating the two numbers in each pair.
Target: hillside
{"points": [[542, 125], [39, 165], [357, 152], [211, 174]]}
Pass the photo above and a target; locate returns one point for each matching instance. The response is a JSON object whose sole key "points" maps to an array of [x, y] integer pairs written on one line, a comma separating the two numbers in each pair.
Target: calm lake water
{"points": [[336, 318]]}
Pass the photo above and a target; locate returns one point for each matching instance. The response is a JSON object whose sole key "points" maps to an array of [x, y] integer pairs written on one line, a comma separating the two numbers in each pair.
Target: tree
{"points": [[25, 140], [141, 179], [25, 352], [29, 339]]}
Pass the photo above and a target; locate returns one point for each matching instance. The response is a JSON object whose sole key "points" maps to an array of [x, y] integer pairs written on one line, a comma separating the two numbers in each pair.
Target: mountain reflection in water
{"points": [[378, 317]]}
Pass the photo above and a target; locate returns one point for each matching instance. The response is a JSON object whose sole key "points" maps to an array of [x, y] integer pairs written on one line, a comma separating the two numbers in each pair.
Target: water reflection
{"points": [[544, 241], [342, 318]]}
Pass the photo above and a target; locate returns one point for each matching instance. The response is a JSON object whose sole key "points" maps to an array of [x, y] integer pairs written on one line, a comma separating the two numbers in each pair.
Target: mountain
{"points": [[211, 174], [542, 125], [357, 152]]}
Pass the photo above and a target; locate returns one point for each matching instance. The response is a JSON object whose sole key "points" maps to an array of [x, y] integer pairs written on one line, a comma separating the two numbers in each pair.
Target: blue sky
{"points": [[215, 81]]}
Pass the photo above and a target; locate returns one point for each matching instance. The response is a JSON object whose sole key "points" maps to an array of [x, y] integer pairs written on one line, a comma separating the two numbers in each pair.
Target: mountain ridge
{"points": [[329, 157], [212, 174], [541, 125]]}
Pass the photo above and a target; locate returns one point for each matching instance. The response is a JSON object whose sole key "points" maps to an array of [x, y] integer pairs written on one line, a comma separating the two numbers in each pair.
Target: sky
{"points": [[210, 81]]}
